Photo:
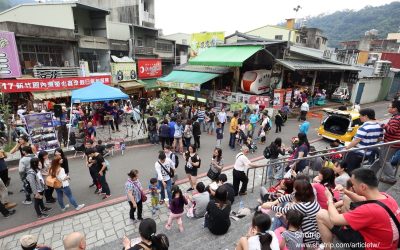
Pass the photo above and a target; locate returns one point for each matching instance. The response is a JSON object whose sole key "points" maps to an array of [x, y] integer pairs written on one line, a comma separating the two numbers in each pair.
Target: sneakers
{"points": [[46, 209], [106, 197], [244, 193], [10, 205], [189, 189], [11, 212], [92, 185], [65, 208], [51, 201], [98, 191], [43, 216], [26, 202], [79, 207]]}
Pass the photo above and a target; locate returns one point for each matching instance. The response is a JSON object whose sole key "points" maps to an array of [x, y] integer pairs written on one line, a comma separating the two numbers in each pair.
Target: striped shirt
{"points": [[392, 129], [201, 115], [133, 187], [369, 133], [309, 210]]}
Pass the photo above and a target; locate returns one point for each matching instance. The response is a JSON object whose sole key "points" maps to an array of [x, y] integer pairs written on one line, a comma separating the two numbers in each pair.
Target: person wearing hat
{"points": [[75, 241], [29, 242], [133, 190], [22, 142]]}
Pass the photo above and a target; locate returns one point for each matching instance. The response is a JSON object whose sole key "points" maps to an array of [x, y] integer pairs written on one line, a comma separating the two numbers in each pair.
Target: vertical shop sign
{"points": [[9, 61], [278, 98]]}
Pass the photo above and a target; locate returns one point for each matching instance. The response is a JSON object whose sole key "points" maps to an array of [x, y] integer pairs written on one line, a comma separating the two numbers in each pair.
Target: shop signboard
{"points": [[202, 41], [47, 84], [278, 98], [42, 130], [149, 68], [9, 61], [123, 71], [180, 85], [288, 97]]}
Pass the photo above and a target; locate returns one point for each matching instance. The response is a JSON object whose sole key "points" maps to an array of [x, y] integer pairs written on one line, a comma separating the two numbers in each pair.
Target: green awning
{"points": [[188, 80], [149, 83], [231, 56]]}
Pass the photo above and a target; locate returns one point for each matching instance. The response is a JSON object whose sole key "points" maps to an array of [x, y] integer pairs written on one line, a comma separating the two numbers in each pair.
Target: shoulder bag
{"points": [[143, 196], [53, 182], [170, 173]]}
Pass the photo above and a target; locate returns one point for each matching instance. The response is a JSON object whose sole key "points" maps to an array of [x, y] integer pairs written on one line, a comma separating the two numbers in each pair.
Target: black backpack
{"points": [[176, 159], [267, 152]]}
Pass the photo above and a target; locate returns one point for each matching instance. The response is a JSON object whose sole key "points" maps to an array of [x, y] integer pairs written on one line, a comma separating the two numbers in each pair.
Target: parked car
{"points": [[339, 124]]}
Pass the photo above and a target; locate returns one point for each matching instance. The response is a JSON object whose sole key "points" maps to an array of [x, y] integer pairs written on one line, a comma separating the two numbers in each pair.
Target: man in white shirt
{"points": [[222, 118], [304, 110], [242, 163], [164, 168]]}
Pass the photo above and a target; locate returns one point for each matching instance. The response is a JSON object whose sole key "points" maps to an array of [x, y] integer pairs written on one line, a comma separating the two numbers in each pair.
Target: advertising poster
{"points": [[42, 130], [149, 68], [9, 60], [288, 97], [262, 100], [123, 71], [278, 98], [202, 41], [48, 84]]}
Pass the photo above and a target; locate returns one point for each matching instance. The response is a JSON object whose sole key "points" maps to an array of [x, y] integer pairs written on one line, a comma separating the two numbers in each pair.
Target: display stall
{"points": [[42, 130], [96, 92]]}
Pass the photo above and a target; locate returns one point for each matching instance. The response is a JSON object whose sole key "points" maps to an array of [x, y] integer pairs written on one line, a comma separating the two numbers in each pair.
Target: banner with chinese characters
{"points": [[202, 41], [288, 97], [278, 98], [233, 97], [149, 68], [180, 85], [123, 71], [9, 61], [36, 84]]}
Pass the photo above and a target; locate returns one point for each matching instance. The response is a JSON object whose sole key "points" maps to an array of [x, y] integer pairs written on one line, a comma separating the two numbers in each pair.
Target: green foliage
{"points": [[166, 101], [351, 25]]}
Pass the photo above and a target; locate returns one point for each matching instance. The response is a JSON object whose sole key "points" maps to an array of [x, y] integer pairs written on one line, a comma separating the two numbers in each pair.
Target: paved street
{"points": [[107, 224]]}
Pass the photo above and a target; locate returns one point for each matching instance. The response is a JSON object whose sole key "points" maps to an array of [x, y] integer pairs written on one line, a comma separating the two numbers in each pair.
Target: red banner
{"points": [[37, 84], [262, 100], [149, 68]]}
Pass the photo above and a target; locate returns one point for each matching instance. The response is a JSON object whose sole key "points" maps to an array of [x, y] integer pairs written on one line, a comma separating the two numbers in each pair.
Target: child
{"points": [[154, 192], [176, 208], [292, 237], [220, 134]]}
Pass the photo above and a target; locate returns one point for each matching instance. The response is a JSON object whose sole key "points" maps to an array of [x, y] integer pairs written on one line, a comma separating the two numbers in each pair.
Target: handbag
{"points": [[171, 172], [143, 196], [212, 174], [53, 181]]}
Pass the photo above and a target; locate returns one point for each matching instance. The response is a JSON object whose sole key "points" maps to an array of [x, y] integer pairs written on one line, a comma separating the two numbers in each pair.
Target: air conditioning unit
{"points": [[382, 68]]}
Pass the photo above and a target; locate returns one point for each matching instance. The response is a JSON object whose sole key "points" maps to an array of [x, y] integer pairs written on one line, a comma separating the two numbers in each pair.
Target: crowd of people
{"points": [[297, 212]]}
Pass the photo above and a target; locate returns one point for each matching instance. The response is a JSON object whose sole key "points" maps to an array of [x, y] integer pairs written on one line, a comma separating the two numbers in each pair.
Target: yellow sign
{"points": [[123, 71], [202, 41]]}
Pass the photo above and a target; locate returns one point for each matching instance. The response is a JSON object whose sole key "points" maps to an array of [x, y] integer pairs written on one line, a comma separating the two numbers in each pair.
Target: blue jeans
{"points": [[395, 159], [68, 193], [232, 140], [202, 125], [210, 127], [169, 193], [153, 137]]}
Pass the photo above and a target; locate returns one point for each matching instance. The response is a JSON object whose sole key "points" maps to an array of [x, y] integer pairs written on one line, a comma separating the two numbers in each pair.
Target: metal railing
{"points": [[284, 161]]}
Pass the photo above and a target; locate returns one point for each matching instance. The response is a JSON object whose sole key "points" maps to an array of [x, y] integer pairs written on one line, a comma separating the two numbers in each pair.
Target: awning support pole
{"points": [[313, 82], [70, 122]]}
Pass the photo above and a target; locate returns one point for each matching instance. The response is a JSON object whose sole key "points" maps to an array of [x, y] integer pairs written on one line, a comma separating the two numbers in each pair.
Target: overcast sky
{"points": [[191, 16]]}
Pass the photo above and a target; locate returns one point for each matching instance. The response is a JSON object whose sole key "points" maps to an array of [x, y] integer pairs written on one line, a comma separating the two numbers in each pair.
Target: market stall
{"points": [[94, 93]]}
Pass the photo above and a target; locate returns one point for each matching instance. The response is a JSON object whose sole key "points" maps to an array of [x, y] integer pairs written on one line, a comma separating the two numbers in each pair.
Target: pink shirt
{"points": [[321, 197]]}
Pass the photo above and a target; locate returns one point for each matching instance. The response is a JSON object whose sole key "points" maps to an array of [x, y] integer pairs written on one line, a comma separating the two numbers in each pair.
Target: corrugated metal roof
{"points": [[306, 65], [365, 71], [313, 53]]}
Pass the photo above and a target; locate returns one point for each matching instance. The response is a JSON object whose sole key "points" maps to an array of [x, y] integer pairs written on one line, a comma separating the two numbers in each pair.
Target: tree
{"points": [[6, 112], [166, 102]]}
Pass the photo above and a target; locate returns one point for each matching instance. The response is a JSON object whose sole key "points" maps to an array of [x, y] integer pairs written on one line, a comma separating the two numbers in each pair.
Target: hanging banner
{"points": [[262, 100], [47, 84], [149, 68], [288, 97], [278, 98], [123, 71], [180, 85], [9, 61], [42, 130], [202, 41]]}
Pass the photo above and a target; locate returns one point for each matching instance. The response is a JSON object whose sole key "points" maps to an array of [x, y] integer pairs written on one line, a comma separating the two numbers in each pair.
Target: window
{"points": [[139, 42], [165, 47], [278, 37]]}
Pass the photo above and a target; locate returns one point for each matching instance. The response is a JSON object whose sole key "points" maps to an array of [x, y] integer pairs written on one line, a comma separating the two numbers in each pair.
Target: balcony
{"points": [[144, 51], [93, 42]]}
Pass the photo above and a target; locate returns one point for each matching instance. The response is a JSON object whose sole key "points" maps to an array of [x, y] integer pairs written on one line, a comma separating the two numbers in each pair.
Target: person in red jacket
{"points": [[391, 133]]}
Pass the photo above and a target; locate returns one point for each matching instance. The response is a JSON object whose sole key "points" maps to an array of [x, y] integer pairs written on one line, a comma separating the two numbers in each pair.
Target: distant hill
{"points": [[351, 25]]}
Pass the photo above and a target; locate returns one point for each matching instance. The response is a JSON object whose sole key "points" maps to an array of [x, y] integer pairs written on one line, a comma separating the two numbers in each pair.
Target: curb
{"points": [[103, 203]]}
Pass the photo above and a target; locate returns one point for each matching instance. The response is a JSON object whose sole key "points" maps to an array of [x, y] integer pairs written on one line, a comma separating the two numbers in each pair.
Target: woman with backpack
{"points": [[275, 149], [302, 150], [178, 137], [36, 182], [44, 165], [188, 133], [164, 133]]}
